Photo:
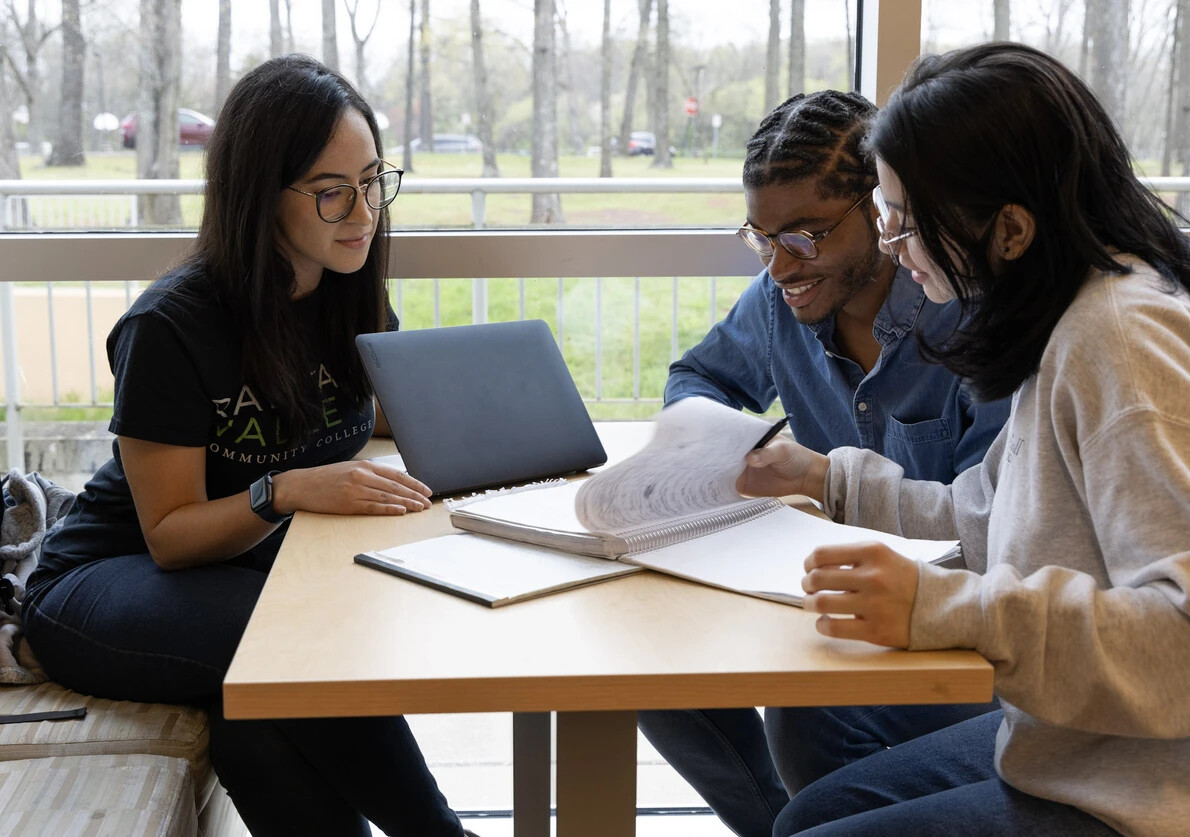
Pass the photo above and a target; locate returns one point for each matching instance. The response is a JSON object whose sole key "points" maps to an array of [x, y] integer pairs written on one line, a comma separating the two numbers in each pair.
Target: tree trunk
{"points": [[330, 36], [1170, 147], [9, 163], [797, 47], [427, 105], [407, 155], [851, 85], [1000, 20], [157, 109], [635, 70], [68, 141], [661, 157], [1182, 110], [547, 209], [1109, 57], [605, 94], [289, 25], [1090, 13], [14, 215], [276, 47], [576, 140], [483, 100], [772, 63], [223, 55], [361, 81]]}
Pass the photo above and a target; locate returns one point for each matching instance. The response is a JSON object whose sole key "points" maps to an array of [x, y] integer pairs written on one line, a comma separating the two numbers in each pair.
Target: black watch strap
{"points": [[260, 495]]}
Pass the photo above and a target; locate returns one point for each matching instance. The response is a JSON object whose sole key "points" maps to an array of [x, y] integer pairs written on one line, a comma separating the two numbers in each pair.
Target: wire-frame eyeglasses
{"points": [[334, 203], [798, 243]]}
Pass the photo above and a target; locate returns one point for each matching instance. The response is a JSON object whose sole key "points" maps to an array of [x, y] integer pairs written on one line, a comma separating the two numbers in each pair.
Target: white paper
{"points": [[690, 465]]}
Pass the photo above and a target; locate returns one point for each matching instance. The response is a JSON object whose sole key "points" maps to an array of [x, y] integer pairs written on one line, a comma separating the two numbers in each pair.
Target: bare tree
{"points": [[576, 141], [223, 55], [32, 34], [157, 109], [1090, 13], [10, 168], [1000, 20], [1109, 56], [68, 138], [797, 47], [483, 100], [605, 94], [360, 41], [289, 25], [547, 208], [276, 47], [640, 56], [1181, 141], [850, 46], [330, 37], [772, 63], [427, 99], [661, 156], [407, 153]]}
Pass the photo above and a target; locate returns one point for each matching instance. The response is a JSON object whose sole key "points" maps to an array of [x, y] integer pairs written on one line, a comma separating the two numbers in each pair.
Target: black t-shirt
{"points": [[177, 360]]}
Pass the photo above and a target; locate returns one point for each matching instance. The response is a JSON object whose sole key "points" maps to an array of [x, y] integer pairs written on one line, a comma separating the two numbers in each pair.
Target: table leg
{"points": [[596, 774], [531, 774]]}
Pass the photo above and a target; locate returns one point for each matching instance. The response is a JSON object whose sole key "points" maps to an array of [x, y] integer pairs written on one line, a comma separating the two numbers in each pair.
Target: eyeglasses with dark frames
{"points": [[892, 243], [798, 243], [334, 203]]}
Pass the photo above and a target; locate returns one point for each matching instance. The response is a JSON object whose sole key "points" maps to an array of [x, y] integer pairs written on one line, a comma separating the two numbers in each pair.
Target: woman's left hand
{"points": [[867, 581]]}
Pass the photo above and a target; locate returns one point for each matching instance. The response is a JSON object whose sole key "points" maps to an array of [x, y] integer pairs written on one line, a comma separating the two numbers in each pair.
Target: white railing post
{"points": [[479, 208], [479, 300], [12, 394]]}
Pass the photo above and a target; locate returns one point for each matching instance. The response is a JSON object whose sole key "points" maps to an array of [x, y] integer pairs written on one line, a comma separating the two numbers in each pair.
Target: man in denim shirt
{"points": [[830, 328]]}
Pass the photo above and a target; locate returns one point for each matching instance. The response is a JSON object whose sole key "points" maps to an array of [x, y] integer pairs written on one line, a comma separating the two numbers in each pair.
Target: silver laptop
{"points": [[478, 406]]}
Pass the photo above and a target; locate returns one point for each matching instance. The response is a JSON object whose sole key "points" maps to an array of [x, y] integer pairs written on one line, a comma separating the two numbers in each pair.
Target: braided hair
{"points": [[817, 135]]}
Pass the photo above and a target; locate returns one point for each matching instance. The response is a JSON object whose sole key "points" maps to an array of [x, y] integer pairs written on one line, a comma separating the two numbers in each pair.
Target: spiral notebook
{"points": [[673, 508]]}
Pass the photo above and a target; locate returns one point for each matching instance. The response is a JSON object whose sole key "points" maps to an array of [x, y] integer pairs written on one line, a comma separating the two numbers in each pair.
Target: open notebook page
{"points": [[766, 556], [690, 465]]}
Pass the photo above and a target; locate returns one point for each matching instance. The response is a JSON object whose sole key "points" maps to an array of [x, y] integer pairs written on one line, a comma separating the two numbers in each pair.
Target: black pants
{"points": [[124, 629]]}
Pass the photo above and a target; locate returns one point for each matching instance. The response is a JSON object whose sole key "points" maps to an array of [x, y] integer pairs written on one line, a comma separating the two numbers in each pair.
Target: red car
{"points": [[194, 128]]}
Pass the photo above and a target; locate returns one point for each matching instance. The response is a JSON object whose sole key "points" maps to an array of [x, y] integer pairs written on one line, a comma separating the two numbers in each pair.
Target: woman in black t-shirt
{"points": [[239, 400]]}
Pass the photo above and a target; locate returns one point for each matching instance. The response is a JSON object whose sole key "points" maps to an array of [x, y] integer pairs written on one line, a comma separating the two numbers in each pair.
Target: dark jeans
{"points": [[938, 785], [808, 742], [122, 628], [747, 780]]}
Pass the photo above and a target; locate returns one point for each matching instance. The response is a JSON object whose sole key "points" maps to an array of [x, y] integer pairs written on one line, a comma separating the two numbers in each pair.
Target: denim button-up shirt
{"points": [[914, 412]]}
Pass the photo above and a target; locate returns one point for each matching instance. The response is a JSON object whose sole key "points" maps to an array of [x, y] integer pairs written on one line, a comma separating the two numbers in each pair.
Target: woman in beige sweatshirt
{"points": [[1004, 183]]}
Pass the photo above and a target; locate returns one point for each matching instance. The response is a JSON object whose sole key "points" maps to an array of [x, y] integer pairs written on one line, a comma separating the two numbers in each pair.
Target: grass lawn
{"points": [[412, 211]]}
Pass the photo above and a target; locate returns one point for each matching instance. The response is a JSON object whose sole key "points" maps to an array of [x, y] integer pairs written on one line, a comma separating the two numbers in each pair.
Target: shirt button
{"points": [[863, 406]]}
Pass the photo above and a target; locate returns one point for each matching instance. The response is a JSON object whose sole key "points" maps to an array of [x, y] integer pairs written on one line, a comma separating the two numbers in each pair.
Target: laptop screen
{"points": [[482, 405]]}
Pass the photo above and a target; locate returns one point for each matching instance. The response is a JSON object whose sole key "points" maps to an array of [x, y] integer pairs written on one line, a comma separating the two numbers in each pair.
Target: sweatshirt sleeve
{"points": [[864, 489], [1112, 660]]}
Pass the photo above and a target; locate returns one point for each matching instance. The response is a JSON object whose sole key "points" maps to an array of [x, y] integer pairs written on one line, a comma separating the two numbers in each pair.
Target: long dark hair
{"points": [[276, 121], [978, 128]]}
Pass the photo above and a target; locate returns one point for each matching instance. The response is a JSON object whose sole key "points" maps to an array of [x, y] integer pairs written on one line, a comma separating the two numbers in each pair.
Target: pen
{"points": [[771, 432]]}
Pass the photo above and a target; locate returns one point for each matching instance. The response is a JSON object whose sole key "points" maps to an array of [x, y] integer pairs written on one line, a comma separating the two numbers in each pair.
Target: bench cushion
{"points": [[116, 795]]}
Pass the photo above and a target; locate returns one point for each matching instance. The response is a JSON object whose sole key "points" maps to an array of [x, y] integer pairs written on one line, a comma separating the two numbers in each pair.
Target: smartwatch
{"points": [[260, 495]]}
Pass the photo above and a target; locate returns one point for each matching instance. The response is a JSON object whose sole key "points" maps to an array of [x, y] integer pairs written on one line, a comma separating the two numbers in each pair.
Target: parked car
{"points": [[642, 142], [451, 144], [194, 128]]}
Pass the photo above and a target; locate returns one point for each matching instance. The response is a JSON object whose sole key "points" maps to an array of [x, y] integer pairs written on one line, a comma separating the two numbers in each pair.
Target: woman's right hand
{"points": [[783, 467], [354, 487]]}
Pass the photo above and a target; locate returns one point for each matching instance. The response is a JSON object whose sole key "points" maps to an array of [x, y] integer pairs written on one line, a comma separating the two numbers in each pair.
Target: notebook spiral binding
{"points": [[685, 530]]}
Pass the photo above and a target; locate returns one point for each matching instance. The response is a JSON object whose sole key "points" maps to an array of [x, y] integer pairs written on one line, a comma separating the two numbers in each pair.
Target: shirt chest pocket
{"points": [[925, 449]]}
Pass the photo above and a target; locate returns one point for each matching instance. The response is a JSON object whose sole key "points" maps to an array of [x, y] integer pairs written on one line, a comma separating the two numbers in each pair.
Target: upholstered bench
{"points": [[124, 769]]}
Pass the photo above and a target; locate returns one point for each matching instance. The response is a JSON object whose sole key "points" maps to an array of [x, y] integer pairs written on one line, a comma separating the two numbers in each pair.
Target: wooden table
{"points": [[330, 638]]}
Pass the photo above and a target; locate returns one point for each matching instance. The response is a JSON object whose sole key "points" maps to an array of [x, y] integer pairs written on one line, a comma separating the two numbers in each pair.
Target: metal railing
{"points": [[122, 260]]}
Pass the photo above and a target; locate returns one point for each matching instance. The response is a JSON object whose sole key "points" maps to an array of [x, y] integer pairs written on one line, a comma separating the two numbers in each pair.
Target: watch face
{"points": [[260, 495]]}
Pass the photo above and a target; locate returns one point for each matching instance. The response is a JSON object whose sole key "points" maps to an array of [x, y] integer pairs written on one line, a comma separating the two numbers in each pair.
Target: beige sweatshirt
{"points": [[1076, 536]]}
